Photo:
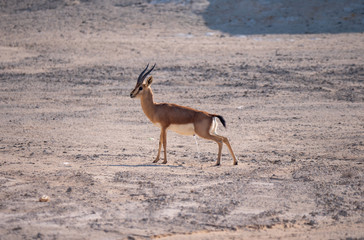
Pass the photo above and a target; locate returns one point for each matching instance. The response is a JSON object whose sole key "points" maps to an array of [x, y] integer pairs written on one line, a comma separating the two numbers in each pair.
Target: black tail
{"points": [[222, 120]]}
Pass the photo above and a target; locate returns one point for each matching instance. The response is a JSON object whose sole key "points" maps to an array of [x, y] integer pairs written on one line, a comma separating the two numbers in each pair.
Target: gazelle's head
{"points": [[142, 85]]}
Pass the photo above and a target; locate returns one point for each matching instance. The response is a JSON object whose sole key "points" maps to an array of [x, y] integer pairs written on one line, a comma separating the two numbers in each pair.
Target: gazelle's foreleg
{"points": [[164, 132], [160, 146], [162, 140]]}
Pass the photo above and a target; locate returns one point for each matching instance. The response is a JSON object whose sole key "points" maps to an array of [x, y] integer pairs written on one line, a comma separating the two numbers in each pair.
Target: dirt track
{"points": [[294, 106]]}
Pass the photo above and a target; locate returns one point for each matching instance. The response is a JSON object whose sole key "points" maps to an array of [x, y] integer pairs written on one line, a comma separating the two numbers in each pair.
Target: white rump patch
{"points": [[183, 129], [213, 128]]}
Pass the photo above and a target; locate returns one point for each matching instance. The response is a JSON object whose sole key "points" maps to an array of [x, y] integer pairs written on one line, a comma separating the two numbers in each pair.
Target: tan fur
{"points": [[168, 116]]}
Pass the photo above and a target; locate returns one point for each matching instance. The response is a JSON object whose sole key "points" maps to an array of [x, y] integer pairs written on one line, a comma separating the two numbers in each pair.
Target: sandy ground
{"points": [[293, 103]]}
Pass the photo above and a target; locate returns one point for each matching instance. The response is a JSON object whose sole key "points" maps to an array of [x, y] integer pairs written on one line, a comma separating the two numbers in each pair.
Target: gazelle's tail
{"points": [[222, 120]]}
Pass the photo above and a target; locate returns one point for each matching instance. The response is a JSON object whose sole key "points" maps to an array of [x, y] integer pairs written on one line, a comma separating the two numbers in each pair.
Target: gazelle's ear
{"points": [[149, 81]]}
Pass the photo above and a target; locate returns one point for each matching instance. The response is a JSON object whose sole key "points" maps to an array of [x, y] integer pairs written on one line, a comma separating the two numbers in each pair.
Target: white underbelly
{"points": [[183, 129]]}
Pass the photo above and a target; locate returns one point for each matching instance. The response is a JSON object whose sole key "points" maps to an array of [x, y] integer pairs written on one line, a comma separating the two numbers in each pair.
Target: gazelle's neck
{"points": [[148, 104]]}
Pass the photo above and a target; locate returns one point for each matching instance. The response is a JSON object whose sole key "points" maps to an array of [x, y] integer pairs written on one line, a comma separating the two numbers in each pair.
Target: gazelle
{"points": [[180, 119]]}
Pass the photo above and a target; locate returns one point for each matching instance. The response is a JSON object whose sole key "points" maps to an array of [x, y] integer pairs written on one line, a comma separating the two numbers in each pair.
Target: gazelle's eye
{"points": [[141, 88]]}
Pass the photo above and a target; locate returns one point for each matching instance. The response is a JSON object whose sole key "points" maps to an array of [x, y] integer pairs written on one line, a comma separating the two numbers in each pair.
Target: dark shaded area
{"points": [[30, 5], [245, 17]]}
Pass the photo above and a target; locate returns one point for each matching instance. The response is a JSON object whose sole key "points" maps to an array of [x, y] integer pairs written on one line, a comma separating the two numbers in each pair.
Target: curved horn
{"points": [[145, 75], [140, 78]]}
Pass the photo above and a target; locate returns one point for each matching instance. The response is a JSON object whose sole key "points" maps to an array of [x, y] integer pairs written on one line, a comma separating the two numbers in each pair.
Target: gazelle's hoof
{"points": [[217, 164], [164, 162], [235, 163], [155, 161]]}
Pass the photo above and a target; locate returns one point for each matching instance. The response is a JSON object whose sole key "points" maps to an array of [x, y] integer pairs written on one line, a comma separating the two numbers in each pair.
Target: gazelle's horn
{"points": [[142, 76]]}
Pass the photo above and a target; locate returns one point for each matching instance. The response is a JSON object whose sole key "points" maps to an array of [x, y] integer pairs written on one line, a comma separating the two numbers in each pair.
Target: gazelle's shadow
{"points": [[144, 165]]}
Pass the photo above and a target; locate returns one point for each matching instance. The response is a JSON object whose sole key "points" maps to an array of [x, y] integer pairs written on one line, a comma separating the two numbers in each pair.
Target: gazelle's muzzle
{"points": [[135, 92]]}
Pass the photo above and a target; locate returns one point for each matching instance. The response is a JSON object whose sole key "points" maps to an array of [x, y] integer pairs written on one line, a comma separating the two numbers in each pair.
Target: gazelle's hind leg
{"points": [[208, 131], [213, 131], [219, 143], [226, 141]]}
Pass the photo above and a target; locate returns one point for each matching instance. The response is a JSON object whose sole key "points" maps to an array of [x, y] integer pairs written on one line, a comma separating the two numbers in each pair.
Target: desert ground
{"points": [[287, 76]]}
